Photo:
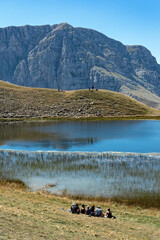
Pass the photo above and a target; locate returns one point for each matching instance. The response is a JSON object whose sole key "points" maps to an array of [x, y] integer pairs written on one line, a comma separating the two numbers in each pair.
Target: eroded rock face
{"points": [[68, 58]]}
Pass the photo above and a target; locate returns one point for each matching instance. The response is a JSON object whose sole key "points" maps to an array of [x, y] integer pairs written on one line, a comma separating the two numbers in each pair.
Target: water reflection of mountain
{"points": [[20, 131], [65, 144], [121, 136], [36, 134]]}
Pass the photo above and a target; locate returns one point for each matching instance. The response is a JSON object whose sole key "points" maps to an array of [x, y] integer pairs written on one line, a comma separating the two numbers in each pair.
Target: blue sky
{"points": [[130, 21]]}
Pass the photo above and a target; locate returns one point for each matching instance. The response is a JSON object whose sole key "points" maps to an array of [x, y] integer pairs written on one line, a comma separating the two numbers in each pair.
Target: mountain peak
{"points": [[63, 57], [64, 25]]}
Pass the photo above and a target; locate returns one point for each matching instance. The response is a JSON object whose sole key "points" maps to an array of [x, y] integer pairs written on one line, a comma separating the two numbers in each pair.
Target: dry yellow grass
{"points": [[29, 215], [21, 102]]}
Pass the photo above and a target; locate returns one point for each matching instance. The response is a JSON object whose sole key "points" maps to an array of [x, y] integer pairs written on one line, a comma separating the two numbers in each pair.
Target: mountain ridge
{"points": [[68, 58]]}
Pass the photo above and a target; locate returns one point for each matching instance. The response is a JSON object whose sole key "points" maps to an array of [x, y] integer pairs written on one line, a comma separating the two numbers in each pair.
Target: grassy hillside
{"points": [[30, 215], [19, 102]]}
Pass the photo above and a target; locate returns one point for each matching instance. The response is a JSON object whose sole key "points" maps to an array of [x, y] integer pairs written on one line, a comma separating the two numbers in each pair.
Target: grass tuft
{"points": [[12, 183]]}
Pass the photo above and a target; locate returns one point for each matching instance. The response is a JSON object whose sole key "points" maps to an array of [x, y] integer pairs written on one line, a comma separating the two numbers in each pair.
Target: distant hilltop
{"points": [[67, 58], [23, 102]]}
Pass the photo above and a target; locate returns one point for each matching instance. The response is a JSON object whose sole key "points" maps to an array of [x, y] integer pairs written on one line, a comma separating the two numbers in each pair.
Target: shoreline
{"points": [[119, 200], [67, 119], [145, 200], [17, 184], [116, 153]]}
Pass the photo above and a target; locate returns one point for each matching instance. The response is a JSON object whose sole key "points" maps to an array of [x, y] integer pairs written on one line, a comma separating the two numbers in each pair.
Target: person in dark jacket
{"points": [[92, 211], [108, 214], [83, 210], [88, 211], [75, 208]]}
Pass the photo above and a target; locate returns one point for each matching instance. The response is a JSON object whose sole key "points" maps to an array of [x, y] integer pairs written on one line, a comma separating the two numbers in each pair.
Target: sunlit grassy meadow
{"points": [[38, 215]]}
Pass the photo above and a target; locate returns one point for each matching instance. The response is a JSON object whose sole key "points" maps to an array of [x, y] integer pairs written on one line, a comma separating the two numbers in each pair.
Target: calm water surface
{"points": [[88, 158], [121, 136]]}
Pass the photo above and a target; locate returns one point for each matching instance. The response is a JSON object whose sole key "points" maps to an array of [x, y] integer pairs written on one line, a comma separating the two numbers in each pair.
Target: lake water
{"points": [[118, 136], [112, 158]]}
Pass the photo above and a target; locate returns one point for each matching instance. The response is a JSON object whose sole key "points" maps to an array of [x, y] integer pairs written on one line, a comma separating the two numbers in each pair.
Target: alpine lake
{"points": [[109, 159]]}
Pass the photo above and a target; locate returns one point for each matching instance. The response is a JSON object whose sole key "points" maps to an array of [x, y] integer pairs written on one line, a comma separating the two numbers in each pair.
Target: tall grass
{"points": [[12, 183], [145, 200]]}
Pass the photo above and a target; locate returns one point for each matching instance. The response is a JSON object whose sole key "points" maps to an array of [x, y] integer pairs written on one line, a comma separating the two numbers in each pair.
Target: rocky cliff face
{"points": [[68, 58]]}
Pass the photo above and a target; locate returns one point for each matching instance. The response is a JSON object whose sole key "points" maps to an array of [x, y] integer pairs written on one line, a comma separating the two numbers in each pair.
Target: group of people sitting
{"points": [[91, 211]]}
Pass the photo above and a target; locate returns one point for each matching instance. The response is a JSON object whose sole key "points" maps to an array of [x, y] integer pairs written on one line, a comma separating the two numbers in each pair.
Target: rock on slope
{"points": [[18, 102], [68, 58]]}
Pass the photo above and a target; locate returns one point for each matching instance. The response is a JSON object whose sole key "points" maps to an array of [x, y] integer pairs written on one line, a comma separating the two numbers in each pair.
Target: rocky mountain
{"points": [[68, 58]]}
